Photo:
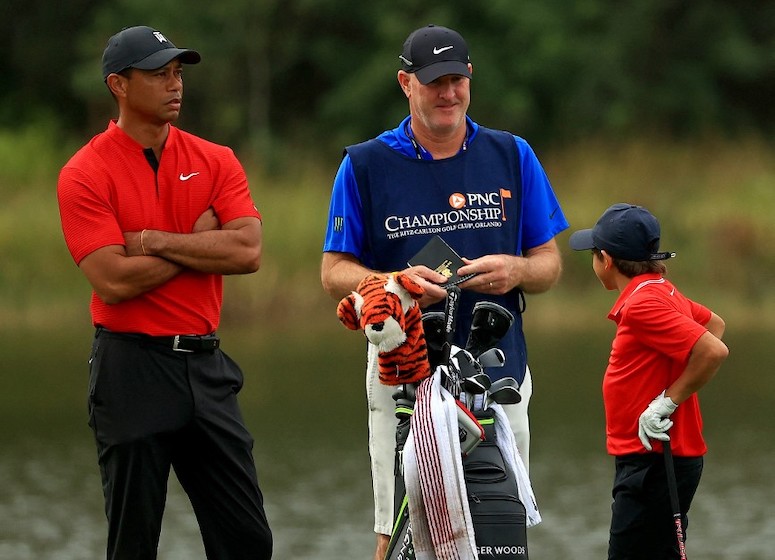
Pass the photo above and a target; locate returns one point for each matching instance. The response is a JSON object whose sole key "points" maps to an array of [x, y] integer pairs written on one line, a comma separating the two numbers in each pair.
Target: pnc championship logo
{"points": [[480, 210], [457, 201]]}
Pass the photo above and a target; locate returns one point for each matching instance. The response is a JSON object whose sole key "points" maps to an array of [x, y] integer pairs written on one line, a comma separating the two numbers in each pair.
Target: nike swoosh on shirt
{"points": [[437, 50], [187, 177]]}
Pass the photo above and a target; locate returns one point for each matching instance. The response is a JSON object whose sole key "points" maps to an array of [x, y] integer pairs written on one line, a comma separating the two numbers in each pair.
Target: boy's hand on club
{"points": [[655, 420]]}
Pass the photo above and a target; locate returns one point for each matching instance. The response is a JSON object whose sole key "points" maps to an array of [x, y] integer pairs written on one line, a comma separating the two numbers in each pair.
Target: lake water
{"points": [[305, 406]]}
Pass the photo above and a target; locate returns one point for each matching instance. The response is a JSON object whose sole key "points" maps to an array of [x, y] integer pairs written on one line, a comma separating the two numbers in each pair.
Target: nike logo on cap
{"points": [[187, 177], [437, 50]]}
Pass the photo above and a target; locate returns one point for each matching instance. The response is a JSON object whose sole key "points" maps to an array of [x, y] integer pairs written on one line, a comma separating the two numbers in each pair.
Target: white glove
{"points": [[655, 420]]}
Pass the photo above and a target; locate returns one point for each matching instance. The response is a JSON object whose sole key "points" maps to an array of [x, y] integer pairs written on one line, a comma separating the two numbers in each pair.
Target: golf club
{"points": [[466, 363], [433, 325], [494, 357], [450, 320], [506, 395], [489, 324], [672, 487], [470, 431], [504, 382], [475, 381], [477, 384], [503, 391]]}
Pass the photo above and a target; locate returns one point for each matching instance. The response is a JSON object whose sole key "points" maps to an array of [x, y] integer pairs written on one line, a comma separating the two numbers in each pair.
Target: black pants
{"points": [[642, 525], [152, 408]]}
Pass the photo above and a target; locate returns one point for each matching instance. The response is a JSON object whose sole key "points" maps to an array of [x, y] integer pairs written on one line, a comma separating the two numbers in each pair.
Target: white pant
{"points": [[382, 438]]}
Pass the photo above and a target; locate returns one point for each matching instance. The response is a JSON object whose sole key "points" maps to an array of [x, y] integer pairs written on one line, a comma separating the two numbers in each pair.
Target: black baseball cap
{"points": [[434, 51], [144, 48], [624, 231]]}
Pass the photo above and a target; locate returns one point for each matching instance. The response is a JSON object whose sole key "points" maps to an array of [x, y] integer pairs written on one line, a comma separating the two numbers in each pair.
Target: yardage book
{"points": [[442, 258]]}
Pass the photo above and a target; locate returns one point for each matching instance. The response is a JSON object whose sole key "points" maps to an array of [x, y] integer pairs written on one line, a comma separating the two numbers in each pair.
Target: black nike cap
{"points": [[144, 48], [434, 51]]}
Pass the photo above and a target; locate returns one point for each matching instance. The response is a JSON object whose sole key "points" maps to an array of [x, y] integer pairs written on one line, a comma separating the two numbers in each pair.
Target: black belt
{"points": [[178, 343], [189, 343]]}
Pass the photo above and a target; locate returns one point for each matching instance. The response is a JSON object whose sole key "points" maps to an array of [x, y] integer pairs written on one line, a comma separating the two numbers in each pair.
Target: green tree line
{"points": [[318, 74]]}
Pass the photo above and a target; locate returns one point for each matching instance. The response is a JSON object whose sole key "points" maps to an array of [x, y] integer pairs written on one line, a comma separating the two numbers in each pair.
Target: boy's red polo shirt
{"points": [[657, 327]]}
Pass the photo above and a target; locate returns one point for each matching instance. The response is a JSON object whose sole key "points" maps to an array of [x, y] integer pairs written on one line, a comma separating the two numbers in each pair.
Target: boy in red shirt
{"points": [[666, 348]]}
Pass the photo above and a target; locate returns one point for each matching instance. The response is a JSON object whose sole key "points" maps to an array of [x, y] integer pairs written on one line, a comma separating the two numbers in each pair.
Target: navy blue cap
{"points": [[434, 51], [624, 231], [144, 48]]}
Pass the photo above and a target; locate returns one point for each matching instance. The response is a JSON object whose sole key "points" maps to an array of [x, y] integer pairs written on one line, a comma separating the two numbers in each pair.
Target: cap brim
{"points": [[434, 71], [162, 57], [581, 240]]}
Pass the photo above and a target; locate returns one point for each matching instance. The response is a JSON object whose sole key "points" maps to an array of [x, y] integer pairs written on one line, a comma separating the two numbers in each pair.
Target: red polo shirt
{"points": [[109, 187], [656, 329]]}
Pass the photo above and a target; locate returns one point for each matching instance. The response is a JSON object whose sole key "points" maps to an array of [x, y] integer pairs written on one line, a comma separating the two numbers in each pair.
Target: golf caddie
{"points": [[482, 190]]}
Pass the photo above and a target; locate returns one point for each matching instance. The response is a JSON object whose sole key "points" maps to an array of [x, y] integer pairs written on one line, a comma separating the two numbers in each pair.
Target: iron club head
{"points": [[466, 363], [476, 384], [494, 357], [503, 391]]}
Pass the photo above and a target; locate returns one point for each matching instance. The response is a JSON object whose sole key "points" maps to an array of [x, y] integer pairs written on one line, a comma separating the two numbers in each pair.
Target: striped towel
{"points": [[433, 475]]}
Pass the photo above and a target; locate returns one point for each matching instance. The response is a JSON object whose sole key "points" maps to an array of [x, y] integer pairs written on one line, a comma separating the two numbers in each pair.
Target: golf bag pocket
{"points": [[499, 526], [485, 466]]}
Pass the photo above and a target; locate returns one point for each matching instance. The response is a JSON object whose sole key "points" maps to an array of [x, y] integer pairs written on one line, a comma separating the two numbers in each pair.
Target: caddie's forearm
{"points": [[541, 270], [340, 273]]}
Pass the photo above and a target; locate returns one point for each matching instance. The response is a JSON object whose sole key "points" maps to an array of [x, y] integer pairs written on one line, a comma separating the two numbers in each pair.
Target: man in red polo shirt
{"points": [[154, 217], [666, 348]]}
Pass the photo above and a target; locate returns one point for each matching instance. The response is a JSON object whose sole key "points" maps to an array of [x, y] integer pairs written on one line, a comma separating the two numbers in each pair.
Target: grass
{"points": [[714, 198]]}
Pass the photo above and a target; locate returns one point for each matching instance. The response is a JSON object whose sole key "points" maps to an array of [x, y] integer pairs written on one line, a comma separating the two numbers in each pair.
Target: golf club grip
{"points": [[675, 505], [450, 320]]}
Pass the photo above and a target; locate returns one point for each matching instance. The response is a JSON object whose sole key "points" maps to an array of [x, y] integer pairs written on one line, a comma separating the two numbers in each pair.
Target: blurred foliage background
{"points": [[663, 103], [322, 72]]}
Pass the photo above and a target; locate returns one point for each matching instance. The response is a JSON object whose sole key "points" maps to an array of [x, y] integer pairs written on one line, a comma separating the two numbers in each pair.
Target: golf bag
{"points": [[498, 515]]}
